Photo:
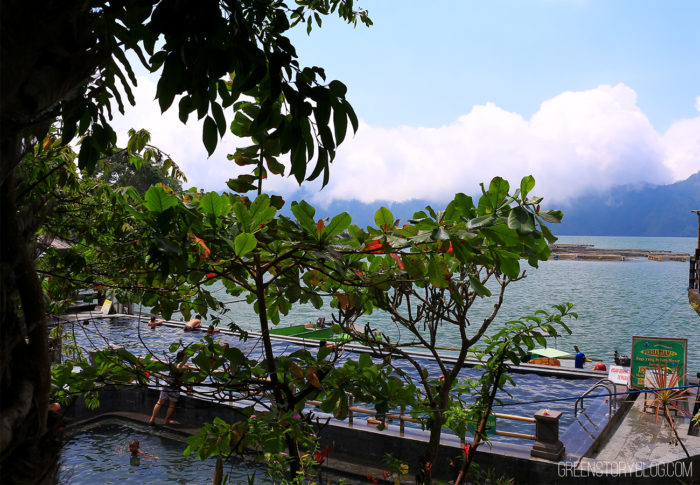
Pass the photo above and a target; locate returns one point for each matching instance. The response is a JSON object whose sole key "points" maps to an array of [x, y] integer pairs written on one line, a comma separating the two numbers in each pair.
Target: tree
{"points": [[140, 165], [69, 63], [428, 273]]}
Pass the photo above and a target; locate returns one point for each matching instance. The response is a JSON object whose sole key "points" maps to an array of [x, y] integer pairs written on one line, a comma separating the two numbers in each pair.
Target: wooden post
{"points": [[547, 444]]}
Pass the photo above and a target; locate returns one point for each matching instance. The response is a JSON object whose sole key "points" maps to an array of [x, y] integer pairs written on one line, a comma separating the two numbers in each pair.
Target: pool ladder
{"points": [[604, 384]]}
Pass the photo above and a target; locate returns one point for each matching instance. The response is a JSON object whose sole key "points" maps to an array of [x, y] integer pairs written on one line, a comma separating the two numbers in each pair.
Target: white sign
{"points": [[619, 374], [105, 307]]}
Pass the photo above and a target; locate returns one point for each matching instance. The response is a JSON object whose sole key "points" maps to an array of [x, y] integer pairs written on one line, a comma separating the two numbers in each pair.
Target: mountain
{"points": [[651, 210]]}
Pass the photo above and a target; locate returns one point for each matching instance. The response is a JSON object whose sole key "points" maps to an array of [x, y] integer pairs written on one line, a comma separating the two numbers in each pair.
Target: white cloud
{"points": [[184, 142], [575, 142], [682, 146]]}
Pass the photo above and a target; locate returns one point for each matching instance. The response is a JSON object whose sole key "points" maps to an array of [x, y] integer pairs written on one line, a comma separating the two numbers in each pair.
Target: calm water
{"points": [[99, 455], [530, 394], [615, 300]]}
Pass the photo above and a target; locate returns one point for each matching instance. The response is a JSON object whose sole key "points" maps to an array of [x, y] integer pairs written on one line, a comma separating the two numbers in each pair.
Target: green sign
{"points": [[473, 424], [652, 352]]}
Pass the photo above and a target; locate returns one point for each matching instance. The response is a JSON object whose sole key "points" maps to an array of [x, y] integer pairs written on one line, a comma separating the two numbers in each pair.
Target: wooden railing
{"points": [[403, 418]]}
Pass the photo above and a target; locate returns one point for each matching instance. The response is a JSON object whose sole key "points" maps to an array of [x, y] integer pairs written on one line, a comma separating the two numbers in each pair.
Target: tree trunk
{"points": [[281, 404], [29, 447], [425, 475], [469, 457]]}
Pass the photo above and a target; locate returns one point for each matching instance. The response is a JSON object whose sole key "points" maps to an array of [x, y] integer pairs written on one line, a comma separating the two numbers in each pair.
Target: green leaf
{"points": [[340, 124], [157, 200], [240, 126], [526, 185], [337, 225], [437, 272], [338, 89], [478, 287], [275, 167], [482, 221], [243, 216], [521, 221], [212, 204], [244, 243], [168, 247], [553, 216], [414, 266], [498, 190], [304, 214], [509, 263], [210, 136], [219, 117], [384, 219], [261, 211]]}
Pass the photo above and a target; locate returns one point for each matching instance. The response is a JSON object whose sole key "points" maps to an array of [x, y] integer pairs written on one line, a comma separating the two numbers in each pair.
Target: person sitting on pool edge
{"points": [[153, 323], [196, 322], [579, 359]]}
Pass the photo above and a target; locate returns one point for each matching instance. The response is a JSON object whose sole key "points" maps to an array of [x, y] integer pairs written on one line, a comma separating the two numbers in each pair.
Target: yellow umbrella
{"points": [[551, 353]]}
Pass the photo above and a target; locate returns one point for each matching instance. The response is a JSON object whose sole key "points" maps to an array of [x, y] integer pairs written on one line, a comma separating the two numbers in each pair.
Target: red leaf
{"points": [[374, 247], [398, 260]]}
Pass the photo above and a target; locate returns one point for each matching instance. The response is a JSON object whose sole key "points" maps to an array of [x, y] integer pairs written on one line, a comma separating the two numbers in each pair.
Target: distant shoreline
{"points": [[587, 252]]}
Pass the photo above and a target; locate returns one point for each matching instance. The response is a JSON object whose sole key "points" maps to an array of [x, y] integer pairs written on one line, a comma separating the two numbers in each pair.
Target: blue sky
{"points": [[426, 63], [584, 95]]}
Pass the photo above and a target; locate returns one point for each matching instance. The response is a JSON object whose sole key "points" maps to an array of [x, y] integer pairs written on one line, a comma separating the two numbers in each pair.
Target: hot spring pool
{"points": [[99, 454], [531, 393]]}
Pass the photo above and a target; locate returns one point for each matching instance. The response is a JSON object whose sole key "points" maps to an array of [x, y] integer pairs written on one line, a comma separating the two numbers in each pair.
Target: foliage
{"points": [[230, 62], [665, 396], [428, 273], [140, 165], [664, 392], [70, 63], [506, 347], [396, 468]]}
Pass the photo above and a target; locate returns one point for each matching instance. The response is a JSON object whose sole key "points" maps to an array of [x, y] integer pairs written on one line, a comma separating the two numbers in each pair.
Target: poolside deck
{"points": [[641, 441]]}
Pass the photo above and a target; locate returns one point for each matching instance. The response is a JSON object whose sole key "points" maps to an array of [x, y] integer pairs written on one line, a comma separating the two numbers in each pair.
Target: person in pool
{"points": [[579, 359], [196, 322], [212, 330], [136, 453], [153, 323]]}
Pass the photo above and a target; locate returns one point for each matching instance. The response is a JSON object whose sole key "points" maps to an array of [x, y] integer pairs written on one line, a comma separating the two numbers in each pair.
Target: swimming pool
{"points": [[99, 454], [531, 393]]}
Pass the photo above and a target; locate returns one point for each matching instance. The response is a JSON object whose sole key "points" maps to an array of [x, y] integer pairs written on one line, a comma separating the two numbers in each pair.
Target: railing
{"points": [[694, 273], [403, 418], [546, 437], [603, 383]]}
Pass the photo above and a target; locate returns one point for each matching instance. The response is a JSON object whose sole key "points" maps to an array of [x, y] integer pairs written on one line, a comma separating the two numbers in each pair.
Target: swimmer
{"points": [[136, 453], [212, 330], [153, 323], [196, 322]]}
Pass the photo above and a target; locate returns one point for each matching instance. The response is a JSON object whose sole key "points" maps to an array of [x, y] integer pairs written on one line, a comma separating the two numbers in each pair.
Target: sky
{"points": [[582, 94]]}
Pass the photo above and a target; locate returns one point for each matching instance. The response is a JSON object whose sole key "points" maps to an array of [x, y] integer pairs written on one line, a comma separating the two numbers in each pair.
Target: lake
{"points": [[615, 300]]}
